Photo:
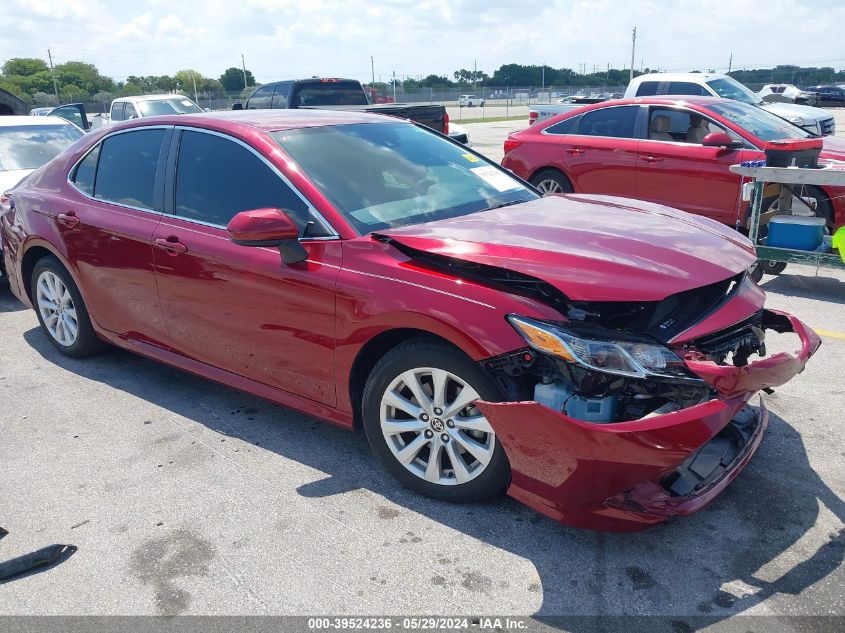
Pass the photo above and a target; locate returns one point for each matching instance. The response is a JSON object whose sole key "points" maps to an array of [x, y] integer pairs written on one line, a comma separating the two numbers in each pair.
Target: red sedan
{"points": [[670, 151], [593, 356]]}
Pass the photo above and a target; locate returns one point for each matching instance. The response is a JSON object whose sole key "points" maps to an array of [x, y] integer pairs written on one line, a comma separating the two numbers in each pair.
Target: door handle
{"points": [[652, 159], [575, 150], [68, 219], [171, 244]]}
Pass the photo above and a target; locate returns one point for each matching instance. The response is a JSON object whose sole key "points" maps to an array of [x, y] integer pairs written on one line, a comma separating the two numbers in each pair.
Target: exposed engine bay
{"points": [[607, 362]]}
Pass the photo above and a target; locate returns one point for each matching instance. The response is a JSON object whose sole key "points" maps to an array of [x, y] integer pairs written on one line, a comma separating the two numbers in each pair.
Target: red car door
{"points": [[235, 307], [107, 224], [675, 169], [600, 155]]}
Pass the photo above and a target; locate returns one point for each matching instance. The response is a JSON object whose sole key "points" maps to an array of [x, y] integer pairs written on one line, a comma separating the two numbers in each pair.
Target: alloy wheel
{"points": [[432, 427], [57, 309], [550, 186]]}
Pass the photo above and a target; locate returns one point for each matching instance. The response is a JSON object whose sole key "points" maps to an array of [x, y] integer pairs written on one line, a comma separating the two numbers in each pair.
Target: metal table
{"points": [[826, 175]]}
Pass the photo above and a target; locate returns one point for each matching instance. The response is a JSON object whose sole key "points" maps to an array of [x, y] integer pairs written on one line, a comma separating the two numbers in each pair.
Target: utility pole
{"points": [[474, 72], [53, 73], [194, 79], [373, 69], [633, 48], [243, 67], [730, 63], [394, 86], [544, 77]]}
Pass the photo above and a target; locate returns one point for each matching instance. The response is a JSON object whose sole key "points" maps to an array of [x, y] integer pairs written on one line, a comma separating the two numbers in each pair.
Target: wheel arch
{"points": [[373, 350], [32, 255], [551, 168]]}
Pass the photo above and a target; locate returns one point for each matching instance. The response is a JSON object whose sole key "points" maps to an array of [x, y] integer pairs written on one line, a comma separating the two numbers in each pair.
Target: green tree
{"points": [[131, 90], [24, 66], [233, 79], [185, 79]]}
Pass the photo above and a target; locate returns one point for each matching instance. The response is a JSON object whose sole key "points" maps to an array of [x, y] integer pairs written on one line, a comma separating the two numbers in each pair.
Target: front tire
{"points": [[421, 422], [61, 310]]}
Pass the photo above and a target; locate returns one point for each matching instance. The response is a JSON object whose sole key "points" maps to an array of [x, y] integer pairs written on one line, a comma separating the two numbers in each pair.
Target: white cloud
{"points": [[290, 38]]}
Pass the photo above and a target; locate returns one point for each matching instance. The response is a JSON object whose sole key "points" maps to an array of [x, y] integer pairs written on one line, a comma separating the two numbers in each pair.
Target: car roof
{"points": [[665, 100], [267, 120], [680, 76], [9, 121], [159, 97]]}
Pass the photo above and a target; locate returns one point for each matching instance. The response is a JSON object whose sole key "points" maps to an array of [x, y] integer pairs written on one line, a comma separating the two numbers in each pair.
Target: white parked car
{"points": [[470, 101], [26, 143], [814, 120], [126, 108], [787, 93], [459, 133]]}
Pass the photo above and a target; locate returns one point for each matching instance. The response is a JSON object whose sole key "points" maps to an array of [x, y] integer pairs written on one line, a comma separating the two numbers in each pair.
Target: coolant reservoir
{"points": [[552, 394]]}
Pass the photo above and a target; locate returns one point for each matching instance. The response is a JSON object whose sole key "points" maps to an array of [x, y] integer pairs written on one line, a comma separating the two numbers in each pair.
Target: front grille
{"points": [[740, 339]]}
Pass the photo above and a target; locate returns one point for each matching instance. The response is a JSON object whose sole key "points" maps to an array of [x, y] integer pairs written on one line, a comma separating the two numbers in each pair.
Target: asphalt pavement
{"points": [[186, 497]]}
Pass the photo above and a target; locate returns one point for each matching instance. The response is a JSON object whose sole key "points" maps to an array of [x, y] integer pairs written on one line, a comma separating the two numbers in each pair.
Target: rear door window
{"points": [[687, 88], [647, 88], [618, 122], [280, 95], [217, 178], [126, 173]]}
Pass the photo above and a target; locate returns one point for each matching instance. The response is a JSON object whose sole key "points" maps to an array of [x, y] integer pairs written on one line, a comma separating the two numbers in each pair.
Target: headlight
{"points": [[626, 358]]}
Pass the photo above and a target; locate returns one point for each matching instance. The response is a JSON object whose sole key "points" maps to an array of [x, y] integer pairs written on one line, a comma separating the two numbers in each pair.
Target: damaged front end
{"points": [[614, 430]]}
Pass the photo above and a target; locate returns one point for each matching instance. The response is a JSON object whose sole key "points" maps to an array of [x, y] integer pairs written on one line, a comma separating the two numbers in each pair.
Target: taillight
{"points": [[532, 117], [511, 144], [446, 123]]}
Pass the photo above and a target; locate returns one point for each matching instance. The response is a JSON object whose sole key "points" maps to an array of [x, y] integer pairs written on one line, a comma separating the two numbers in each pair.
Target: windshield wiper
{"points": [[505, 204]]}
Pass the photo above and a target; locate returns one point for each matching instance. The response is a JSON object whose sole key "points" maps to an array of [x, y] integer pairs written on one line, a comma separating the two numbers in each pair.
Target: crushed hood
{"points": [[592, 248]]}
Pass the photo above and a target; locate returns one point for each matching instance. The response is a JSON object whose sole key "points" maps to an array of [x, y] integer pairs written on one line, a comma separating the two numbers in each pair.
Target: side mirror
{"points": [[719, 139], [237, 106], [268, 227]]}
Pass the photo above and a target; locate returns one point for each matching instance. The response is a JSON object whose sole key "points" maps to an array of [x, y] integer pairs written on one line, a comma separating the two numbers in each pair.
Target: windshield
{"points": [[177, 105], [30, 146], [762, 124], [326, 93], [384, 175], [732, 89]]}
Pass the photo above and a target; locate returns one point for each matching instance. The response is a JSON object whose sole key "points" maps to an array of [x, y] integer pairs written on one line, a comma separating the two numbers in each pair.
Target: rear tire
{"points": [[61, 310], [446, 454], [552, 181]]}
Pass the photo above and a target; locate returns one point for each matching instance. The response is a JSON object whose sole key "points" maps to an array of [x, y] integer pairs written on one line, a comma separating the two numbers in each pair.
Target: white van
{"points": [[126, 108]]}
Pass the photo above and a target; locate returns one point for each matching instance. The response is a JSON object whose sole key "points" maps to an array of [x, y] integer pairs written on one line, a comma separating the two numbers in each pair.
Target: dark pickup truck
{"points": [[339, 94]]}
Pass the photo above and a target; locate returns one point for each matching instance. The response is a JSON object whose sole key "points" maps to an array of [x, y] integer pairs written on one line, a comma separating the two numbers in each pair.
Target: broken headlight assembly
{"points": [[634, 359]]}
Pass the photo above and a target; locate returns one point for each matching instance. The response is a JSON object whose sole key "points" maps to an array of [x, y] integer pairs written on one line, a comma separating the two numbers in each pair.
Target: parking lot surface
{"points": [[186, 497]]}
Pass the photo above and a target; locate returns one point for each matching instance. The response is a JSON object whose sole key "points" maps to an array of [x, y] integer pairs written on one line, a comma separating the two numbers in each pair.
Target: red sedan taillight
{"points": [[532, 117], [511, 144]]}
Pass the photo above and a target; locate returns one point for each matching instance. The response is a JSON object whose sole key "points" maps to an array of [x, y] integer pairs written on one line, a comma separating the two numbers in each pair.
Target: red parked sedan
{"points": [[670, 151], [593, 356]]}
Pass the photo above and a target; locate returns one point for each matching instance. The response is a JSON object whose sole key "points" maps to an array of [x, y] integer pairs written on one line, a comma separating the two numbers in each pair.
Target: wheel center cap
{"points": [[437, 424]]}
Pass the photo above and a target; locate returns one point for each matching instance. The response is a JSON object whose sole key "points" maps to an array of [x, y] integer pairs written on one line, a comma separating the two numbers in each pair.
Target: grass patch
{"points": [[492, 119]]}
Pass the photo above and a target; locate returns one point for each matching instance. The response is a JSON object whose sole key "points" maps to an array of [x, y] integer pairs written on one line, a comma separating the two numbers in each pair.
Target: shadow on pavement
{"points": [[821, 288], [8, 301], [726, 559]]}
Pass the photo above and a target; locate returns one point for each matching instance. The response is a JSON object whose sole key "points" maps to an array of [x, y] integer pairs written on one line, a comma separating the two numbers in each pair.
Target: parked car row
{"points": [[366, 271], [672, 151]]}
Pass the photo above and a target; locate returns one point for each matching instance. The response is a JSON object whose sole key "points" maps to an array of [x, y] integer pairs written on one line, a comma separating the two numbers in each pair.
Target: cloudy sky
{"points": [[292, 38]]}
